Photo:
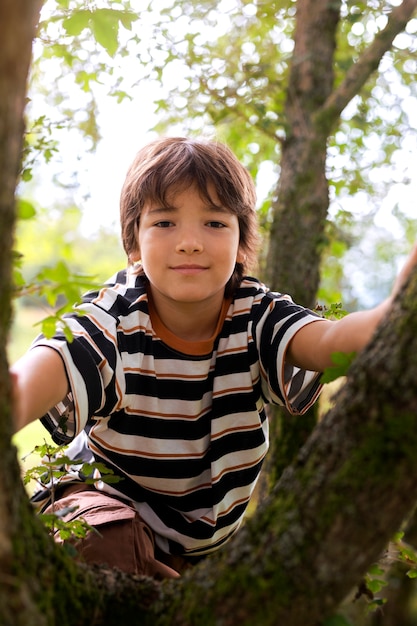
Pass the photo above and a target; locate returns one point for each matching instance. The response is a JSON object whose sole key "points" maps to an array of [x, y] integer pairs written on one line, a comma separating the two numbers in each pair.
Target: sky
{"points": [[125, 129], [125, 126]]}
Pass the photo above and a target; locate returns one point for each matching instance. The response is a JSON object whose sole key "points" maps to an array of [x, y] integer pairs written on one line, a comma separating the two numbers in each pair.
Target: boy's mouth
{"points": [[189, 269]]}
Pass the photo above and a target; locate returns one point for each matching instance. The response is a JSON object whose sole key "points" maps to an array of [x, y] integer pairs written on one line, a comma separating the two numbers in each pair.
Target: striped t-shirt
{"points": [[183, 423]]}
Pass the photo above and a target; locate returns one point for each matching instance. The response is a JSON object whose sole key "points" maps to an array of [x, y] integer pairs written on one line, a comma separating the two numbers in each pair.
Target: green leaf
{"points": [[335, 311], [76, 22], [407, 553], [111, 479], [121, 96], [87, 468], [376, 584], [375, 604], [59, 273], [126, 18], [375, 570], [68, 333], [103, 469], [47, 449], [105, 28], [27, 174], [342, 362], [48, 326], [18, 278], [412, 573], [25, 210]]}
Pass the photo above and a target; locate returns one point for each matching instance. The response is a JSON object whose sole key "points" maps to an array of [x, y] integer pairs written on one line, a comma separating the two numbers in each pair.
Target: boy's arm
{"points": [[39, 382], [312, 346]]}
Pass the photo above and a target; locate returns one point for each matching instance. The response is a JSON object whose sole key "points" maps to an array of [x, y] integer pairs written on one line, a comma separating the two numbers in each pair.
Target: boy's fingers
{"points": [[404, 273]]}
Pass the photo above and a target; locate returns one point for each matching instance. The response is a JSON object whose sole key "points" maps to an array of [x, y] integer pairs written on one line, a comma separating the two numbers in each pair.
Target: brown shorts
{"points": [[123, 539]]}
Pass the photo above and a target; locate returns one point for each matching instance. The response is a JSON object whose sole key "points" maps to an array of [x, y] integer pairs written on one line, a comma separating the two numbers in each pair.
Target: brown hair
{"points": [[177, 162]]}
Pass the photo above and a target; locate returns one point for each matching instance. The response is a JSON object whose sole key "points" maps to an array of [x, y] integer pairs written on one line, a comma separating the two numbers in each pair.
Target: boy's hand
{"points": [[312, 347], [405, 272]]}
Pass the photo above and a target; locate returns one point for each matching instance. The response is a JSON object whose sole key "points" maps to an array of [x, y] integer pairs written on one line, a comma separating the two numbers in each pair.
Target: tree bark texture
{"points": [[18, 19]]}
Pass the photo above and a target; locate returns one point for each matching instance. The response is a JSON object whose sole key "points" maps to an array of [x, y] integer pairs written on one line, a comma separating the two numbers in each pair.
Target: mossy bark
{"points": [[300, 205]]}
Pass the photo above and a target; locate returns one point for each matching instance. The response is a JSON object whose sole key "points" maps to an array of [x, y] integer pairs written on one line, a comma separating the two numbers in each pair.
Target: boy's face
{"points": [[189, 250]]}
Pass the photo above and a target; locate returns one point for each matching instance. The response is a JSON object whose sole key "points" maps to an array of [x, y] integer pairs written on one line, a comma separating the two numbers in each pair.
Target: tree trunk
{"points": [[331, 514], [18, 20], [301, 201]]}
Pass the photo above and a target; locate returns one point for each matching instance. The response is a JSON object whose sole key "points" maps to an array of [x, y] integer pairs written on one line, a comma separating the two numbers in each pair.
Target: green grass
{"points": [[24, 330], [29, 437], [25, 441]]}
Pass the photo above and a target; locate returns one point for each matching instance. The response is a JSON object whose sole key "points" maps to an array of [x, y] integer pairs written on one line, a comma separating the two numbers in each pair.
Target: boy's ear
{"points": [[134, 256], [241, 256]]}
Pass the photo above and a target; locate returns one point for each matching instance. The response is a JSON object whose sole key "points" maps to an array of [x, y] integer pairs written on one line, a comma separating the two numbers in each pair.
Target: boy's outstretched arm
{"points": [[314, 344], [39, 382]]}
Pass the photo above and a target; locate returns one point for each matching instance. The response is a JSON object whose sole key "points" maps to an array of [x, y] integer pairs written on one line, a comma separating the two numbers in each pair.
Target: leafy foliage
{"points": [[102, 23], [55, 284], [51, 472], [406, 554], [341, 364], [50, 274], [75, 52]]}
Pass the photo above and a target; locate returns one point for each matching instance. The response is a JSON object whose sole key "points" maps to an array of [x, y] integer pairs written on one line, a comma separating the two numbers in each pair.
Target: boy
{"points": [[172, 364]]}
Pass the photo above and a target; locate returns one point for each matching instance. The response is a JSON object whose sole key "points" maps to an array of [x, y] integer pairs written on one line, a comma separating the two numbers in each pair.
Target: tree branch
{"points": [[368, 62]]}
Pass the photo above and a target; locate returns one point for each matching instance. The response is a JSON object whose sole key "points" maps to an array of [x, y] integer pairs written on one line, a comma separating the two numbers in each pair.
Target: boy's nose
{"points": [[189, 242]]}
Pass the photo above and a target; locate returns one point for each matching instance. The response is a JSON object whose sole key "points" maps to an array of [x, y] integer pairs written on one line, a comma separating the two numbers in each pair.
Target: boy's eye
{"points": [[163, 224], [215, 224]]}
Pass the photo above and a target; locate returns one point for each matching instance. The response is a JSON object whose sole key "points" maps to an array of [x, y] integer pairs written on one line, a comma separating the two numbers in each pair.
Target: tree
{"points": [[329, 517]]}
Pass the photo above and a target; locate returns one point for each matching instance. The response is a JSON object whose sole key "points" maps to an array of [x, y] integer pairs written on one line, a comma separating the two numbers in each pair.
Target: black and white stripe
{"points": [[185, 429]]}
